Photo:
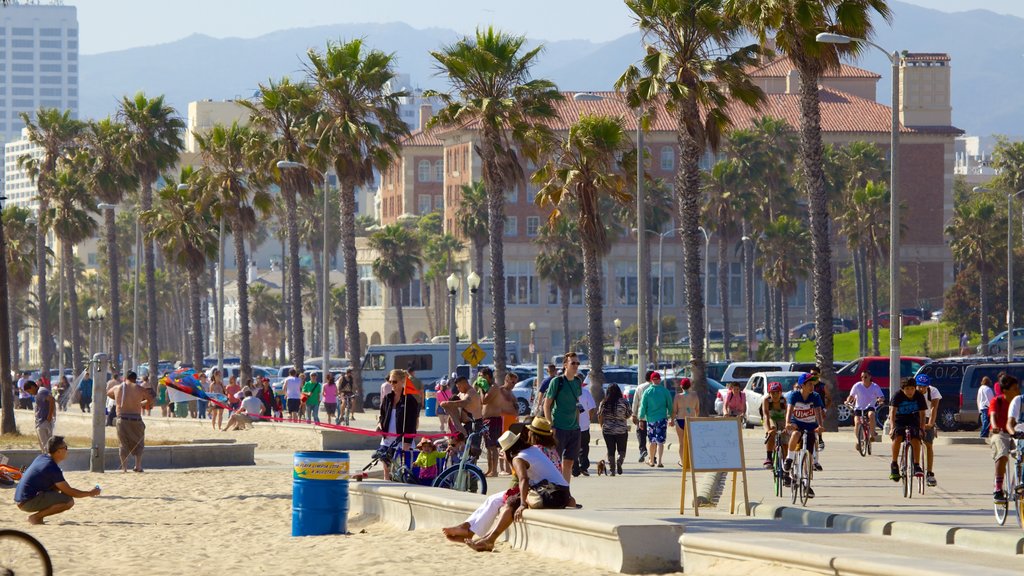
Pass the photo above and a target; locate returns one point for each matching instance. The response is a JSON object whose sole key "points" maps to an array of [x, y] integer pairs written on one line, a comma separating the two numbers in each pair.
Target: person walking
{"points": [[655, 409], [293, 394], [685, 405], [311, 390], [330, 397], [217, 411], [587, 408], [85, 394], [560, 408], [399, 412], [45, 412], [985, 396], [613, 416], [641, 426]]}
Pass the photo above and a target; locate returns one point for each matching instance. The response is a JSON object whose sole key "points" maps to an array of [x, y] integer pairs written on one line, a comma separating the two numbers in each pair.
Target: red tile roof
{"points": [[423, 138], [780, 67]]}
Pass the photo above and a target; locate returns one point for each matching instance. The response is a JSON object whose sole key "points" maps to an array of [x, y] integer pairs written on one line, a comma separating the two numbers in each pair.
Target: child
{"points": [[735, 401], [425, 466]]}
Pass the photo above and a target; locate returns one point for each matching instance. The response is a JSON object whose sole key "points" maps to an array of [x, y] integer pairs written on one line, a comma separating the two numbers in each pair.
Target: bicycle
{"points": [[863, 431], [465, 475], [906, 466], [345, 409], [802, 471], [777, 459], [1013, 485], [21, 553]]}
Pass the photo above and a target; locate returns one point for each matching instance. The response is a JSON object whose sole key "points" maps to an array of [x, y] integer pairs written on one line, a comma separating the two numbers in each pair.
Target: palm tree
{"points": [[361, 133], [558, 262], [183, 226], [71, 217], [795, 24], [491, 85], [287, 112], [310, 228], [472, 219], [152, 141], [582, 171], [693, 57], [338, 313], [784, 250], [20, 245], [975, 242], [265, 305], [109, 177], [722, 211], [398, 255], [238, 194], [55, 132]]}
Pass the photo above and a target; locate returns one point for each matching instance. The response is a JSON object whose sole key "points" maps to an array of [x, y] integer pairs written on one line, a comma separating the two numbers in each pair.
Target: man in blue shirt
{"points": [[43, 490]]}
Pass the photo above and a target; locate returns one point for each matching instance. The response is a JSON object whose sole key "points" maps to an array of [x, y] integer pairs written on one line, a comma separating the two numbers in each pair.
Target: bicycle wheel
{"points": [[905, 471], [471, 479], [860, 439], [868, 435], [22, 554], [806, 472], [794, 479], [1016, 494], [778, 471]]}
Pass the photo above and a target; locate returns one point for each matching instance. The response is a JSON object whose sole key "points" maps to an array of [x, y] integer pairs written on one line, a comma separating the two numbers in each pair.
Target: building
{"points": [[974, 160]]}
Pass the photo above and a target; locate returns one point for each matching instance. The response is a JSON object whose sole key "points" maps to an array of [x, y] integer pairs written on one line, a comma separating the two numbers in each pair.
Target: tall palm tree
{"points": [[338, 313], [975, 242], [558, 262], [20, 246], [110, 177], [472, 219], [439, 249], [265, 305], [183, 227], [288, 112], [693, 57], [398, 255], [795, 24], [583, 170], [55, 132], [722, 211], [784, 251], [152, 141], [72, 206], [238, 194], [310, 228], [360, 133], [490, 74]]}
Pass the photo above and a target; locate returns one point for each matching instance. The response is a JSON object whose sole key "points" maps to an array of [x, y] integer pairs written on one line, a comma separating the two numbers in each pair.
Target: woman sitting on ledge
{"points": [[535, 475]]}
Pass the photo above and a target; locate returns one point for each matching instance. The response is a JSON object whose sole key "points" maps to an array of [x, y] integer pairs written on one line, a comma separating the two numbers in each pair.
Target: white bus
{"points": [[429, 360]]}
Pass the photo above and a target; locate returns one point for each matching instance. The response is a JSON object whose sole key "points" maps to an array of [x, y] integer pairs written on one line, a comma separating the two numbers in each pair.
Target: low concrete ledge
{"points": [[341, 440], [805, 517], [921, 532], [960, 440], [862, 525], [998, 542], [598, 539], [155, 457]]}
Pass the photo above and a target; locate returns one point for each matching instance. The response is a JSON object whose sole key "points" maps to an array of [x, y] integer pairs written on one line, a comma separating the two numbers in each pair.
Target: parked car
{"points": [[714, 388], [713, 336], [968, 417], [620, 376], [937, 315], [947, 377], [742, 371], [997, 345], [878, 368], [884, 319], [525, 395], [558, 359], [802, 331], [847, 324], [236, 371], [755, 391]]}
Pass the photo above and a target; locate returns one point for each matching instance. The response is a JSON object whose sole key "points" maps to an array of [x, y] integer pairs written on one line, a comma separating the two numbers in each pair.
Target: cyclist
{"points": [[864, 396], [346, 390], [1000, 439], [773, 416], [804, 413], [826, 399], [931, 397], [906, 413]]}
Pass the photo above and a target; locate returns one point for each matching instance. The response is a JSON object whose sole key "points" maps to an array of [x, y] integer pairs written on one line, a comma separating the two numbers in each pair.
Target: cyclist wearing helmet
{"points": [[804, 413], [773, 416], [932, 397], [906, 413], [864, 396]]}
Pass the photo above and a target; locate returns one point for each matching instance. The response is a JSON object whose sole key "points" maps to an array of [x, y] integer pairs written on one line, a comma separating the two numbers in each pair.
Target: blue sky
{"points": [[108, 25]]}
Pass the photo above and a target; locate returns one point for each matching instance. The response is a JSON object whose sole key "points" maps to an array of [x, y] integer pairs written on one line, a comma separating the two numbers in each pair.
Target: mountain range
{"points": [[987, 52]]}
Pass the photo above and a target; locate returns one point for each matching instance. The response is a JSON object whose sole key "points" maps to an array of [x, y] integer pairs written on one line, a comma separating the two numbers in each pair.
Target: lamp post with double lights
{"points": [[1009, 267], [96, 315], [618, 324], [453, 288], [895, 331], [533, 347], [7, 424], [115, 297], [473, 281]]}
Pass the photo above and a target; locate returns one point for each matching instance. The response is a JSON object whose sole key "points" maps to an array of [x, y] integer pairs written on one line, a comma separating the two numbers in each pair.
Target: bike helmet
{"points": [[774, 387], [922, 380]]}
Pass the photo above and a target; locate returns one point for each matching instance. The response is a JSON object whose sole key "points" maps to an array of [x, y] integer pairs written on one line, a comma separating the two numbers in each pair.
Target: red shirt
{"points": [[998, 413]]}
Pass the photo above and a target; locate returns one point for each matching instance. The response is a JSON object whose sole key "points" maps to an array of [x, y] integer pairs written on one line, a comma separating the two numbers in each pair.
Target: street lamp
{"points": [[707, 277], [324, 339], [643, 266], [453, 287], [748, 292], [618, 324], [473, 280], [101, 316], [1009, 267], [895, 332], [533, 347], [115, 297]]}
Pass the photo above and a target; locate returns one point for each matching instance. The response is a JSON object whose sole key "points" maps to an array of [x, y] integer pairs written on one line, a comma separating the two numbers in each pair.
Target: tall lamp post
{"points": [[533, 347], [473, 280], [707, 278], [748, 291], [1009, 267], [618, 324], [643, 266], [115, 302], [895, 331], [7, 425], [453, 288]]}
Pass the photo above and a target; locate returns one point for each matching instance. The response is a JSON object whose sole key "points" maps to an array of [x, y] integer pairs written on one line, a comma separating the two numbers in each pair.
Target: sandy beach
{"points": [[234, 520]]}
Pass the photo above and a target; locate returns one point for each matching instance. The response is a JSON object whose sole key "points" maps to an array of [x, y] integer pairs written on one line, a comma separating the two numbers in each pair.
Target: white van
{"points": [[429, 360], [742, 371]]}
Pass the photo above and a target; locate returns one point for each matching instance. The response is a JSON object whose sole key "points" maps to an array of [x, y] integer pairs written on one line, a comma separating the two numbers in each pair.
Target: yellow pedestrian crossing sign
{"points": [[473, 355]]}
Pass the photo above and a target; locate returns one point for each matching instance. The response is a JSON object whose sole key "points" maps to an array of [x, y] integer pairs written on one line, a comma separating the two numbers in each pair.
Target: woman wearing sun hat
{"points": [[542, 435]]}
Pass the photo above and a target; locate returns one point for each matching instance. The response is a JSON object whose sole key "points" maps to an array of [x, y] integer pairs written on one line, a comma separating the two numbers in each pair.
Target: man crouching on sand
{"points": [[130, 399], [42, 488]]}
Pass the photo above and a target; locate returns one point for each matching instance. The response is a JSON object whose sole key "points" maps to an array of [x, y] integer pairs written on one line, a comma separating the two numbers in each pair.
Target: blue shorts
{"points": [[681, 422], [656, 431], [804, 426]]}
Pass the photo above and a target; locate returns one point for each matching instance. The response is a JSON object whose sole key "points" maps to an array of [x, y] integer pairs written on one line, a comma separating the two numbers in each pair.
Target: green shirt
{"points": [[313, 389], [656, 404], [566, 394]]}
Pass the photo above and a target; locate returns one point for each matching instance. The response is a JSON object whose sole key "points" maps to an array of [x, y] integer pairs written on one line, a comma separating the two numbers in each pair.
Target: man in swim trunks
{"points": [[130, 399]]}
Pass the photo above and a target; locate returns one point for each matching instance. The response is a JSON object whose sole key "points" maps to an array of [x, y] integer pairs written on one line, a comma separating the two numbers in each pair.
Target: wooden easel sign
{"points": [[713, 445]]}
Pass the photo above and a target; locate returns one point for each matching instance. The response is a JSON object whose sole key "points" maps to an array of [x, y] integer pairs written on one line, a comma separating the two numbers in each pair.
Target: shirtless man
{"points": [[493, 406], [465, 410], [130, 399]]}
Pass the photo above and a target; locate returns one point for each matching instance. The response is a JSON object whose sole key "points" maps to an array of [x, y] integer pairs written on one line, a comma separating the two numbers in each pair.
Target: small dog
{"points": [[602, 468]]}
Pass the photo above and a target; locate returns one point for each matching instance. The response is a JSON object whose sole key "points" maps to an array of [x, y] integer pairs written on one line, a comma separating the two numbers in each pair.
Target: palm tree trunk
{"points": [[565, 320], [44, 314], [687, 186], [295, 333], [348, 251], [723, 290], [873, 297], [76, 331], [318, 330], [821, 248], [983, 309], [748, 290], [769, 317], [651, 328], [115, 290], [149, 262], [595, 329], [195, 313], [496, 180], [399, 313], [478, 266], [7, 423], [242, 282], [784, 314]]}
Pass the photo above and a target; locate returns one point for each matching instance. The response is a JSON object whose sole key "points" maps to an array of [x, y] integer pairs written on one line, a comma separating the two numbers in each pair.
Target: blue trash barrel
{"points": [[431, 403], [320, 493]]}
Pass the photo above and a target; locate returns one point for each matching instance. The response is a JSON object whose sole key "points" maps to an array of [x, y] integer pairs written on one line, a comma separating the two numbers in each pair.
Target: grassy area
{"points": [[931, 339], [22, 441]]}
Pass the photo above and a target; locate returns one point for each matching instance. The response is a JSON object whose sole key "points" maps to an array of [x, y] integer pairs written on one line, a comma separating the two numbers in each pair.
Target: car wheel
{"points": [[946, 420], [747, 423], [524, 406], [844, 414], [373, 400]]}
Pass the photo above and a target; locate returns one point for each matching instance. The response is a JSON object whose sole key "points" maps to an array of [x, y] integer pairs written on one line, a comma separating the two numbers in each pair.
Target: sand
{"points": [[236, 520]]}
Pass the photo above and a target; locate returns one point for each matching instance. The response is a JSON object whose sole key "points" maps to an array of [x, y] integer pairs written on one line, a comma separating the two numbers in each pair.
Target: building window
{"points": [[369, 288], [22, 91], [72, 56], [72, 44], [532, 225], [50, 103], [49, 91], [663, 284], [19, 43], [22, 67], [49, 79], [72, 32], [521, 284], [49, 56], [425, 203], [49, 32], [92, 259], [72, 68], [411, 294], [23, 32], [668, 158], [512, 196], [22, 79], [625, 283], [50, 44], [438, 203], [22, 55], [735, 284], [438, 171], [798, 299], [511, 226], [50, 68], [423, 170]]}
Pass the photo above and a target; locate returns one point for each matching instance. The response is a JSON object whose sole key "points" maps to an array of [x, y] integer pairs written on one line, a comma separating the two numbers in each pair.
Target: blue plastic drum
{"points": [[320, 493], [431, 403]]}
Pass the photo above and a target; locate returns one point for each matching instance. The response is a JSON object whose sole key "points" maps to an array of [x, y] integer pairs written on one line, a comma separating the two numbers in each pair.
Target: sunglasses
{"points": [[394, 382], [574, 363]]}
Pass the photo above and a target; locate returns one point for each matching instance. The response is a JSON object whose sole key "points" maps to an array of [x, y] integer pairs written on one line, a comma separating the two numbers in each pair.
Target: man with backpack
{"points": [[561, 408]]}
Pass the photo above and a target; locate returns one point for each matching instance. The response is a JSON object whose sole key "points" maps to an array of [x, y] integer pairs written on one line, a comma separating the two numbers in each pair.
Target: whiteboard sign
{"points": [[715, 444]]}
